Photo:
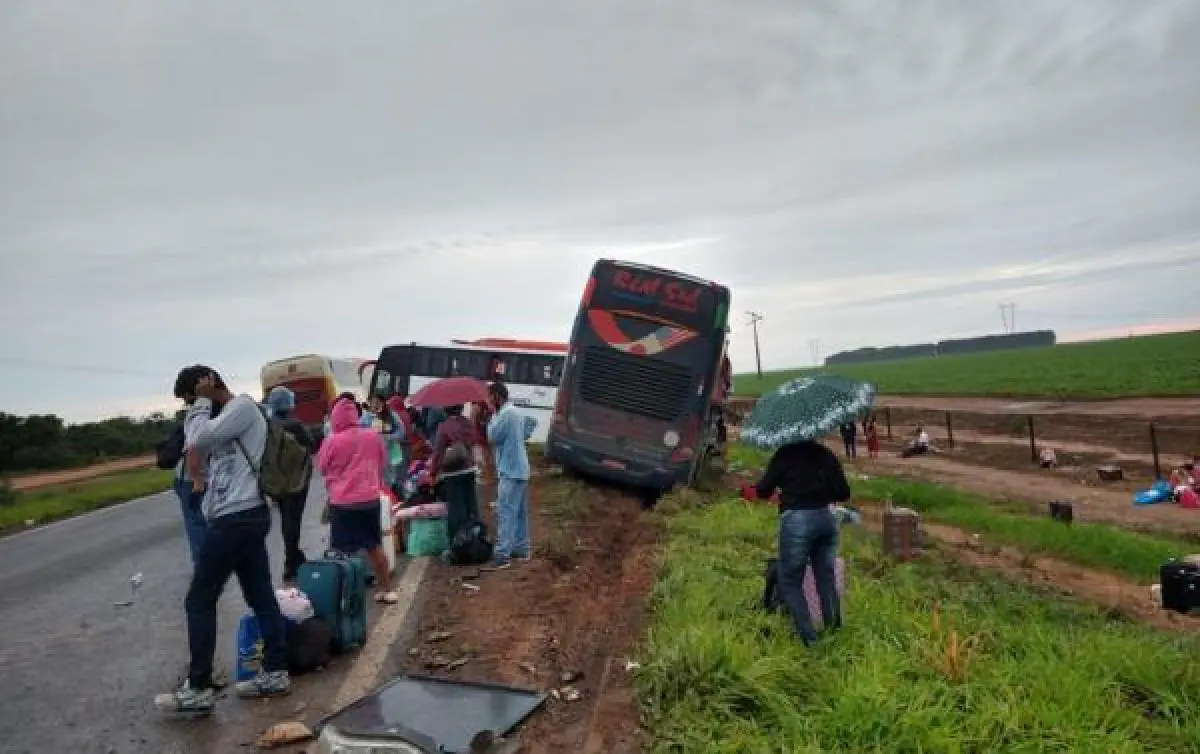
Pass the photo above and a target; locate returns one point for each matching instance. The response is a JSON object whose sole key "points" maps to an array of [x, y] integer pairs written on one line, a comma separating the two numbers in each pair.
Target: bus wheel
{"points": [[700, 465]]}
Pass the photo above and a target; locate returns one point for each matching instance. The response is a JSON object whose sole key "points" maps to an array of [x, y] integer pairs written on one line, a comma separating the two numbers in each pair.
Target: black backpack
{"points": [[308, 643], [169, 452], [471, 545]]}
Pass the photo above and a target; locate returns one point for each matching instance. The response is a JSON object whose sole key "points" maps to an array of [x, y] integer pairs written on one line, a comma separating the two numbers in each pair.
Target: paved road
{"points": [[79, 674]]}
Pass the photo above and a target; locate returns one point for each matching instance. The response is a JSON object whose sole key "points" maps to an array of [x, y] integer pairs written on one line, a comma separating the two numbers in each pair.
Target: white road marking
{"points": [[361, 677]]}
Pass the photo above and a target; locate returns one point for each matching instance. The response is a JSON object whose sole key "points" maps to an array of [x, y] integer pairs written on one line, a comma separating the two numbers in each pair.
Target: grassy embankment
{"points": [[62, 500], [1130, 367], [1134, 555], [934, 657]]}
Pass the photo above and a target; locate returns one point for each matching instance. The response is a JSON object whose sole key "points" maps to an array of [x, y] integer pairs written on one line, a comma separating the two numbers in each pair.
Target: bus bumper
{"points": [[646, 474]]}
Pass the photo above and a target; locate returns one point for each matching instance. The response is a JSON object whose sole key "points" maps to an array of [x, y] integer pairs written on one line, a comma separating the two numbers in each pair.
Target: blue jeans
{"points": [[233, 544], [512, 518], [194, 525], [809, 536]]}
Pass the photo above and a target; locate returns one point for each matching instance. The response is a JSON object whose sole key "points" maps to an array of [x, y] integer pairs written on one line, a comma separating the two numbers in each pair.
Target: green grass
{"points": [[1031, 674], [1131, 554], [1145, 366], [63, 500]]}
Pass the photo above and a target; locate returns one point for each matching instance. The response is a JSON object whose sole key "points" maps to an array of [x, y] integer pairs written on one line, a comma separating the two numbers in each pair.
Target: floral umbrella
{"points": [[804, 409]]}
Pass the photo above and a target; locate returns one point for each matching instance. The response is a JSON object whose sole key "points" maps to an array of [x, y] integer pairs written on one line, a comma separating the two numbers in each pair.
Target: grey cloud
{"points": [[275, 177]]}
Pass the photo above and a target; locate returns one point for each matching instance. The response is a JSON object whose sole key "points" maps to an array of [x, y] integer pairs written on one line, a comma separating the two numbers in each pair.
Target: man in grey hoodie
{"points": [[232, 446]]}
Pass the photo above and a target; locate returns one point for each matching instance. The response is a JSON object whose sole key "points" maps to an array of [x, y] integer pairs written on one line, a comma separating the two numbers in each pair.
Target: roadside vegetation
{"points": [[46, 442], [54, 502], [1160, 365], [934, 657], [1104, 547]]}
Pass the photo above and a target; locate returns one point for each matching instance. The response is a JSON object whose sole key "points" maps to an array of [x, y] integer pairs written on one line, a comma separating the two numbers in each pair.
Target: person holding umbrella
{"points": [[809, 479]]}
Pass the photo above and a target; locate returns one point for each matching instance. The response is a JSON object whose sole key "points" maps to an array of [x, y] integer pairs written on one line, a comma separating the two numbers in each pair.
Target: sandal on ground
{"points": [[387, 598]]}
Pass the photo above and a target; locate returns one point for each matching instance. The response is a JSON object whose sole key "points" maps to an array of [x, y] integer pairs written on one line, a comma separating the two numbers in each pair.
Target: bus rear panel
{"points": [[635, 402]]}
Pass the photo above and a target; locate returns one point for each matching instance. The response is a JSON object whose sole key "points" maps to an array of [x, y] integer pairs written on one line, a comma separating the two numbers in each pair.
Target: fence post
{"points": [[1033, 454], [1154, 450], [887, 415], [949, 429]]}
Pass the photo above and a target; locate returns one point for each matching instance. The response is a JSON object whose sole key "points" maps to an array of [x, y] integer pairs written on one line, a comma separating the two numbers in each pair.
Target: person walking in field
{"points": [[353, 462], [849, 432], [221, 457], [809, 480], [507, 431], [871, 430]]}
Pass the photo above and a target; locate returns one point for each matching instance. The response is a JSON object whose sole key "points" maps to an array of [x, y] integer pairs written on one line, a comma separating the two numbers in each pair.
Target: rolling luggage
{"points": [[1180, 585], [337, 587], [772, 599]]}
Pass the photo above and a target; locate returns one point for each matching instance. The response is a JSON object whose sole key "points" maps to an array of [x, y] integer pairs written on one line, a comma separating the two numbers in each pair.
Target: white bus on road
{"points": [[531, 371]]}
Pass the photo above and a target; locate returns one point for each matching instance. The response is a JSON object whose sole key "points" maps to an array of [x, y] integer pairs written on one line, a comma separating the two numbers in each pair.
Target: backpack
{"points": [[169, 452], [471, 545], [286, 465]]}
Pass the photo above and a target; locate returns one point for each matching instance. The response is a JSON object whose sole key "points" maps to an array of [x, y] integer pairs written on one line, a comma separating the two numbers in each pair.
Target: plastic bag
{"points": [[427, 536], [294, 604]]}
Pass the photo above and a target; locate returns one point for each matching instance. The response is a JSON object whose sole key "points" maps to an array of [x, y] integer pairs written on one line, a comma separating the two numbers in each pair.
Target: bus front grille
{"points": [[634, 384]]}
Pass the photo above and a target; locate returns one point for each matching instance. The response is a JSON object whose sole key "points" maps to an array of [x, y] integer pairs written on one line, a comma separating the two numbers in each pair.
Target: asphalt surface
{"points": [[79, 674]]}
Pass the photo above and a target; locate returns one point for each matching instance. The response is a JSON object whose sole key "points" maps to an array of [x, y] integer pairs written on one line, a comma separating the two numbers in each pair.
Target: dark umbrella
{"points": [[450, 391], [804, 409]]}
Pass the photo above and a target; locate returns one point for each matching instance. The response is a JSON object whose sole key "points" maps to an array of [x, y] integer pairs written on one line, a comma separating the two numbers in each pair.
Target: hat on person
{"points": [[281, 401]]}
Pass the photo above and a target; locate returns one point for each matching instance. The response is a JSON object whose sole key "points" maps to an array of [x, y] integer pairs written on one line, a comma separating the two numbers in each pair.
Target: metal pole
{"points": [[755, 318], [949, 429], [1154, 450], [887, 413], [1033, 454]]}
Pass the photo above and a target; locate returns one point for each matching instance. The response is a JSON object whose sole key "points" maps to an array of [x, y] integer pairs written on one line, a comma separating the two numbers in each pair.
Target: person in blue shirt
{"points": [[508, 431]]}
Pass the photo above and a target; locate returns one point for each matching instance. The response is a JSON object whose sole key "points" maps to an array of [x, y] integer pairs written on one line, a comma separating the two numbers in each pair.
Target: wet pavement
{"points": [[79, 674]]}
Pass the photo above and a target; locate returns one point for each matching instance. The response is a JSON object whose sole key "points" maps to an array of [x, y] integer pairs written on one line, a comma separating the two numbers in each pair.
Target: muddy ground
{"points": [[47, 478], [565, 623]]}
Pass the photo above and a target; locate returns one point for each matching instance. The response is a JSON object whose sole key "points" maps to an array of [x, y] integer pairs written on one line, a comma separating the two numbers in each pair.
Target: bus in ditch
{"points": [[646, 378], [530, 369], [316, 380]]}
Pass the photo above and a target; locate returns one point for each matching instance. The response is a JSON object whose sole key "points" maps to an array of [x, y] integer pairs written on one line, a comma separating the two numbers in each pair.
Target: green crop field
{"points": [[1145, 366], [933, 657]]}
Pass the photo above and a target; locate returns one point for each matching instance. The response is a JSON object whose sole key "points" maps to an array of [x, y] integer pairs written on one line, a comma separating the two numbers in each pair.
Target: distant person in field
{"points": [[849, 432], [918, 445], [280, 404], [222, 455], [809, 480], [353, 462], [508, 431], [871, 430]]}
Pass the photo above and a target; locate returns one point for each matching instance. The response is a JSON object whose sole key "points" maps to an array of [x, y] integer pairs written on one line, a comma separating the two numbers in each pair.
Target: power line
{"points": [[755, 318]]}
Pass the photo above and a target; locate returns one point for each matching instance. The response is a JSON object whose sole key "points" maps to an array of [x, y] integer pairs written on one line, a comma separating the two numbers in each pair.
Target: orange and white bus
{"points": [[317, 381]]}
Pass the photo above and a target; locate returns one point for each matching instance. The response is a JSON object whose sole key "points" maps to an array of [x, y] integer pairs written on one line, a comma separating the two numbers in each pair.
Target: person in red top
{"points": [[453, 465]]}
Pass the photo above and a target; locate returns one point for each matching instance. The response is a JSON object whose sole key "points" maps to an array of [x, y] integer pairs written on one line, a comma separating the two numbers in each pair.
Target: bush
{"points": [[8, 496]]}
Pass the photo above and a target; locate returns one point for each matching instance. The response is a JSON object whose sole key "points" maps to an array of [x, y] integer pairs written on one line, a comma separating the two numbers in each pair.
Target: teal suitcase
{"points": [[337, 587]]}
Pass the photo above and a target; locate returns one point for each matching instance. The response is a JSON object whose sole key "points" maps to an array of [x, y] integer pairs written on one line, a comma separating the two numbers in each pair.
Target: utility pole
{"points": [[1008, 313], [755, 318]]}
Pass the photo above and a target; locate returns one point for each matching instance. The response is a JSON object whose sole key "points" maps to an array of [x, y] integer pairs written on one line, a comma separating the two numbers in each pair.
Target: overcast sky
{"points": [[241, 181]]}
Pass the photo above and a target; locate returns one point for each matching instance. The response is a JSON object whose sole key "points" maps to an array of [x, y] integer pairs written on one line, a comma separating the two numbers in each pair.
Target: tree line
{"points": [[46, 442]]}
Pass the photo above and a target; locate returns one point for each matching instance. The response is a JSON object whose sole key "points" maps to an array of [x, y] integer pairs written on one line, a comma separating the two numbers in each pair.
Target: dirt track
{"points": [[1142, 408], [47, 478]]}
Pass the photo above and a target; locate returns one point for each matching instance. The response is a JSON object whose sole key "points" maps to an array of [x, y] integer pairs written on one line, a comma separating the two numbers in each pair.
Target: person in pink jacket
{"points": [[352, 461]]}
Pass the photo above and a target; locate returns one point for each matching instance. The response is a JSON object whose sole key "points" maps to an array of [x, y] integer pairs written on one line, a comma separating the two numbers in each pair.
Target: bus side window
{"points": [[519, 370], [420, 362], [498, 369], [383, 382], [556, 370], [439, 364]]}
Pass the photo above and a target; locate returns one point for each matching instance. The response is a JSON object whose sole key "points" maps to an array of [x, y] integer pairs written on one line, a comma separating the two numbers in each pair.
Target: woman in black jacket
{"points": [[809, 479]]}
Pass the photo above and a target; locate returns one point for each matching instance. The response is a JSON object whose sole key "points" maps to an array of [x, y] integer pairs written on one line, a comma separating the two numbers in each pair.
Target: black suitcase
{"points": [[1180, 586]]}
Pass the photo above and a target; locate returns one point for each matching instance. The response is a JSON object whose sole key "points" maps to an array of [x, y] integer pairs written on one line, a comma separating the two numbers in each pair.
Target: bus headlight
{"points": [[671, 439]]}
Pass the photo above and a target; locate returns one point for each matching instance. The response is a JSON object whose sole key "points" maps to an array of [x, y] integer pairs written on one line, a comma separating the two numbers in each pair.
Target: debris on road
{"points": [[570, 676], [282, 734], [438, 636]]}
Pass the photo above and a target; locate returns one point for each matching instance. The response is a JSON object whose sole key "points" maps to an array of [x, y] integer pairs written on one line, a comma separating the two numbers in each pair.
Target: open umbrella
{"points": [[804, 409], [450, 391]]}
